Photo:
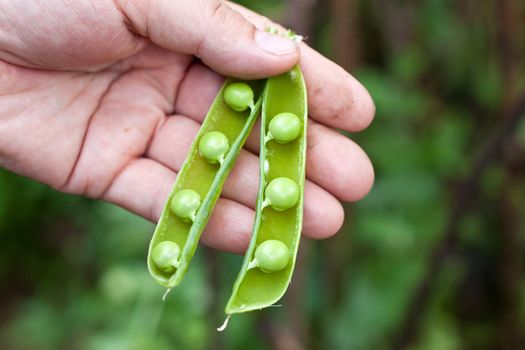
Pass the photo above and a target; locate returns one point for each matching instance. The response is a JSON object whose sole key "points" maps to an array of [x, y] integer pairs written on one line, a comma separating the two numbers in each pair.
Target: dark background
{"points": [[432, 259]]}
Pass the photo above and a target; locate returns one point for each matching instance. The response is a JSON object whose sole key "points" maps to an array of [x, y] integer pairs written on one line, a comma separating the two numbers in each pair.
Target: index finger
{"points": [[335, 98]]}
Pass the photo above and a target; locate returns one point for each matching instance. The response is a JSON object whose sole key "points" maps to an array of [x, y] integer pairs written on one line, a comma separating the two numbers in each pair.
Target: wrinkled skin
{"points": [[103, 98]]}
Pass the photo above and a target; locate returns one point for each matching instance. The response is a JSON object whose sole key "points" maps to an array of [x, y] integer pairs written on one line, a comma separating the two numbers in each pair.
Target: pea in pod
{"points": [[269, 261], [200, 180]]}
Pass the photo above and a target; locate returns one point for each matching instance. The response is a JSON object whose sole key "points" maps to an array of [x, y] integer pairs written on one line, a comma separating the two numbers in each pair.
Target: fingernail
{"points": [[274, 44]]}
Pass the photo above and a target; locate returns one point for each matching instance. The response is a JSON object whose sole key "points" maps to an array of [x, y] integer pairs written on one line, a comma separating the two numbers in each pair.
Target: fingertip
{"points": [[362, 180], [366, 109], [248, 60], [335, 97], [368, 178], [347, 173], [274, 44], [235, 47], [323, 213]]}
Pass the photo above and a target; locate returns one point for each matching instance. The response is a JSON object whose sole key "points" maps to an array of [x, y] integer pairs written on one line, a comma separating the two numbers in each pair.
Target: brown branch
{"points": [[293, 300], [212, 260], [299, 16], [509, 266], [397, 23], [508, 21], [508, 332], [466, 193], [277, 336], [344, 32]]}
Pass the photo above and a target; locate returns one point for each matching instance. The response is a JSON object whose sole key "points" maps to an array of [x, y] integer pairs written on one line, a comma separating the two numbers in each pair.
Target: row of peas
{"points": [[200, 180], [270, 258], [213, 147], [281, 194]]}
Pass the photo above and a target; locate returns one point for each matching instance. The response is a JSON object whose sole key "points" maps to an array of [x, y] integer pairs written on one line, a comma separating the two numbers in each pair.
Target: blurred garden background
{"points": [[432, 259]]}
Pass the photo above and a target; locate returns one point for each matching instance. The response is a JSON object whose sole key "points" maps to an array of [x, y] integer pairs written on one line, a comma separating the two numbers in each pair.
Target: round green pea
{"points": [[185, 204], [272, 256], [282, 193], [165, 255], [238, 96], [285, 127], [213, 146]]}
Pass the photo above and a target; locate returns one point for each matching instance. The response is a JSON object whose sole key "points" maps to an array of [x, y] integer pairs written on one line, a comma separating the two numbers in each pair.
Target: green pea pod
{"points": [[269, 261], [198, 186]]}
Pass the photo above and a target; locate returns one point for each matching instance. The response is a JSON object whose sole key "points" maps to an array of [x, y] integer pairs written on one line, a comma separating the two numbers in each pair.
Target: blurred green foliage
{"points": [[72, 270]]}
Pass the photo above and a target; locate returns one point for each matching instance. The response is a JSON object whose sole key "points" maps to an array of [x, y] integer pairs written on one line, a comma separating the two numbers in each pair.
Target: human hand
{"points": [[103, 98]]}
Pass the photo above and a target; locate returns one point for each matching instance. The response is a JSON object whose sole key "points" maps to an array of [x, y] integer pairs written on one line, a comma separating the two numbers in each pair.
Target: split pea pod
{"points": [[200, 180], [269, 261]]}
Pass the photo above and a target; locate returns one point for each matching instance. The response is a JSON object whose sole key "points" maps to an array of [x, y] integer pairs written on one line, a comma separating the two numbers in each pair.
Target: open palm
{"points": [[95, 102]]}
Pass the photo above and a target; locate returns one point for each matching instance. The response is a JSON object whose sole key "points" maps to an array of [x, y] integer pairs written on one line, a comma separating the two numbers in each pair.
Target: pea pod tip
{"points": [[224, 324]]}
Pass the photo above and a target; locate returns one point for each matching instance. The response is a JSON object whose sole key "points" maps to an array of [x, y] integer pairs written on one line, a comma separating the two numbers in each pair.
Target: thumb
{"points": [[212, 31]]}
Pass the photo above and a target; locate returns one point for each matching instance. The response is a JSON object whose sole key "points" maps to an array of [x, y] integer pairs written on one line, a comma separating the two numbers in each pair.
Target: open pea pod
{"points": [[269, 261], [200, 180]]}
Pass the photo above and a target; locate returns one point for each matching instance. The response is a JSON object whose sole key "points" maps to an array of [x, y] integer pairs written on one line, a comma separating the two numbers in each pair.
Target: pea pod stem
{"points": [[266, 203], [224, 324], [268, 138], [253, 264], [165, 295]]}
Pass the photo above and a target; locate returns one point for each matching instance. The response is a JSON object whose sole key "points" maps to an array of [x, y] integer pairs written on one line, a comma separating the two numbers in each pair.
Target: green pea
{"points": [[165, 256], [185, 204], [272, 256], [281, 194], [238, 96], [284, 127], [213, 146]]}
